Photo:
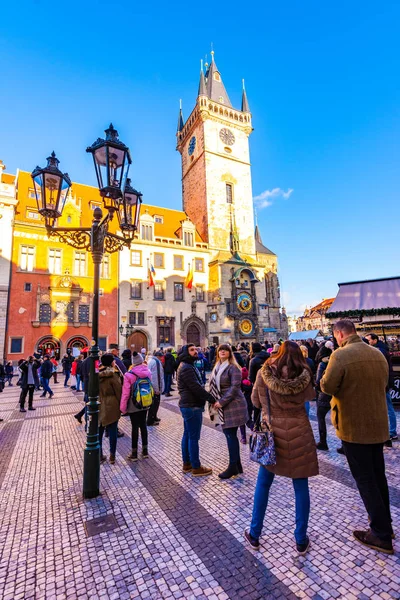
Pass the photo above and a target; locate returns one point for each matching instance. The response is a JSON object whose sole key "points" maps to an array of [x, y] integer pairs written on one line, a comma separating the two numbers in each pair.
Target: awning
{"points": [[367, 295], [269, 329], [305, 335]]}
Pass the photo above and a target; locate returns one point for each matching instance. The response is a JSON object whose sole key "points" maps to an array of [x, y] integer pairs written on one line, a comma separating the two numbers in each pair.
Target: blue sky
{"points": [[323, 86]]}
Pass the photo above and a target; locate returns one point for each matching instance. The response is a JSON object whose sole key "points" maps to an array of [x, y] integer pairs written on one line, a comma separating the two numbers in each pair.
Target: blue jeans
{"points": [[264, 481], [67, 374], [392, 416], [233, 444], [45, 384], [307, 407], [167, 383], [78, 382], [192, 421], [112, 436]]}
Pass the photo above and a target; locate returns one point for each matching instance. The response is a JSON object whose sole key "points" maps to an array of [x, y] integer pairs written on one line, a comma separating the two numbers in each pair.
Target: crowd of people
{"points": [[248, 385]]}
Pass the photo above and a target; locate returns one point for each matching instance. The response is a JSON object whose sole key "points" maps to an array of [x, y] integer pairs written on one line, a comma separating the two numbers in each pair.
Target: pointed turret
{"points": [[215, 88], [245, 103], [202, 83], [180, 118], [260, 248]]}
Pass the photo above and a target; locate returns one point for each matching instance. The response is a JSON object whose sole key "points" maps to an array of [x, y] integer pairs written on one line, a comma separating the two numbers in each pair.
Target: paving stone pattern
{"points": [[175, 536]]}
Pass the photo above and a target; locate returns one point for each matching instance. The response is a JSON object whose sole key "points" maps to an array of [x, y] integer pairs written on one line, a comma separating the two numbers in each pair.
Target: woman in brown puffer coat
{"points": [[287, 379]]}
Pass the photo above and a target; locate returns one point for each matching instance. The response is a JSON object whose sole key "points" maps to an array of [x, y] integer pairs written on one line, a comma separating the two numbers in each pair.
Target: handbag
{"points": [[262, 443]]}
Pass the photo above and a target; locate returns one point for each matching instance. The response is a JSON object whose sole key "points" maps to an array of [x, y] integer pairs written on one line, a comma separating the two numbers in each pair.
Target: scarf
{"points": [[215, 386]]}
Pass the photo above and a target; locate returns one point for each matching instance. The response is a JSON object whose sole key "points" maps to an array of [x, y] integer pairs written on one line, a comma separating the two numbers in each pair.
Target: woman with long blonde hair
{"points": [[225, 387]]}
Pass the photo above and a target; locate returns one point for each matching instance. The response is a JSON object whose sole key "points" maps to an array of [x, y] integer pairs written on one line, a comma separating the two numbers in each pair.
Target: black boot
{"points": [[239, 466], [231, 471]]}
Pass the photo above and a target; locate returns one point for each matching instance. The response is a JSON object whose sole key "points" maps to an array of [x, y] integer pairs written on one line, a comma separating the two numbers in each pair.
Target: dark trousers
{"points": [[28, 389], [153, 409], [167, 383], [54, 376], [138, 421], [322, 411], [112, 429], [233, 444], [367, 466], [67, 373]]}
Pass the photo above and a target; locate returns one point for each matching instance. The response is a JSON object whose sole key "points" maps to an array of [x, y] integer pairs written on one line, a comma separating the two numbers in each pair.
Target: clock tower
{"points": [[216, 175], [243, 301]]}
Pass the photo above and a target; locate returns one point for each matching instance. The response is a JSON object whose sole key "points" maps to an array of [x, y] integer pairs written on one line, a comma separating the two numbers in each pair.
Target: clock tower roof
{"points": [[245, 102], [180, 118], [215, 88]]}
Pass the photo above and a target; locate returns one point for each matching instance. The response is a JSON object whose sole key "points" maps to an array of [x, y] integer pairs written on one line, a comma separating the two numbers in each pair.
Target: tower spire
{"points": [[245, 103], [180, 118], [234, 236], [202, 84], [215, 88]]}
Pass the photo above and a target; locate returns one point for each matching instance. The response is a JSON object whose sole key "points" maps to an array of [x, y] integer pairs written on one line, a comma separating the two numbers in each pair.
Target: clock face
{"points": [[244, 302], [227, 136], [192, 146], [246, 327]]}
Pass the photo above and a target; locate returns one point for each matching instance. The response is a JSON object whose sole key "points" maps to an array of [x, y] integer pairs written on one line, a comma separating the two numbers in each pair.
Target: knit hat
{"points": [[107, 360], [137, 359], [329, 345]]}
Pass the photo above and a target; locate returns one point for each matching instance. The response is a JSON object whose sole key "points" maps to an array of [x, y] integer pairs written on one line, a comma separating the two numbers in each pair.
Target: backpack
{"points": [[142, 393]]}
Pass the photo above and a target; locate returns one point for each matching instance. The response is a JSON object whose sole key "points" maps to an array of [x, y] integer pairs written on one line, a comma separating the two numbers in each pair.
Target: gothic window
{"points": [[229, 193], [136, 318], [44, 313], [83, 313]]}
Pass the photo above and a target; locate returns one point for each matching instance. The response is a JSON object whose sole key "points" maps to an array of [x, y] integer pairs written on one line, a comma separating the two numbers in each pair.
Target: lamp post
{"points": [[111, 160]]}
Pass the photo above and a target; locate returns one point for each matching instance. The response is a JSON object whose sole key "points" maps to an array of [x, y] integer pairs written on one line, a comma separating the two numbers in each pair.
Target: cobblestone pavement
{"points": [[171, 535]]}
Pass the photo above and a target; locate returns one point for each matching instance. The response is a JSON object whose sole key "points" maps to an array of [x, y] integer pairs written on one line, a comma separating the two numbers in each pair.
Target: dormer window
{"points": [[188, 238], [217, 76], [147, 232]]}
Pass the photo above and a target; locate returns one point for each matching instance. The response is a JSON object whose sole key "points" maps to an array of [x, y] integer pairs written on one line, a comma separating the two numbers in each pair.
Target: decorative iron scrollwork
{"points": [[77, 238], [113, 243]]}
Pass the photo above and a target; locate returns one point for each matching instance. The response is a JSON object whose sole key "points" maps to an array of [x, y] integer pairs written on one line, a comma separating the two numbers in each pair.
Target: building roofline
{"points": [[369, 280]]}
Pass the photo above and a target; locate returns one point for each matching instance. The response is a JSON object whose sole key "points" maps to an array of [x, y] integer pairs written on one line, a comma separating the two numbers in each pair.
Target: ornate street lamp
{"points": [[129, 210], [129, 329], [112, 159], [51, 189]]}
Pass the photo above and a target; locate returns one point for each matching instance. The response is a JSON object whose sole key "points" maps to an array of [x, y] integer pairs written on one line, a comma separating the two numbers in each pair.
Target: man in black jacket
{"points": [[29, 381], [46, 371], [259, 356], [193, 397]]}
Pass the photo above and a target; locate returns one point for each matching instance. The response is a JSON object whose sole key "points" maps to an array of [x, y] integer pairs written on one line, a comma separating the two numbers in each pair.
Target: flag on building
{"points": [[152, 269], [150, 281], [189, 277]]}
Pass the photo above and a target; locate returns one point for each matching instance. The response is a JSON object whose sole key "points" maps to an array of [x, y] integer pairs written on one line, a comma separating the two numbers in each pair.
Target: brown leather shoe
{"points": [[201, 472], [367, 538], [112, 459], [187, 468]]}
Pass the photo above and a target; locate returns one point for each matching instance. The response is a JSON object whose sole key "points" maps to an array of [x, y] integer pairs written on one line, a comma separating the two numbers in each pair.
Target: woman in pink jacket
{"points": [[138, 416]]}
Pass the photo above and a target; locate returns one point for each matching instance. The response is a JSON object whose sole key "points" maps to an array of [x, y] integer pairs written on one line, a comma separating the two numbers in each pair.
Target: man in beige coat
{"points": [[356, 378]]}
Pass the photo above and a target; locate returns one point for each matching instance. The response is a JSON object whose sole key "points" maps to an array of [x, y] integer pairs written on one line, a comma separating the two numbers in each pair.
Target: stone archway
{"points": [[49, 345], [194, 331], [193, 334]]}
